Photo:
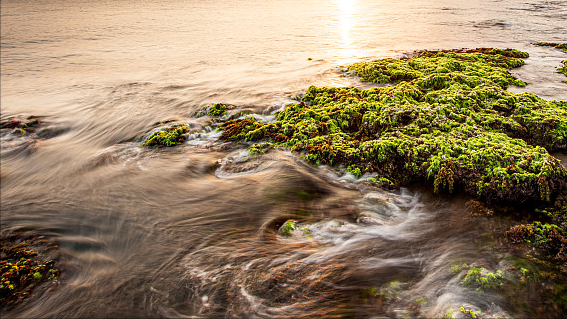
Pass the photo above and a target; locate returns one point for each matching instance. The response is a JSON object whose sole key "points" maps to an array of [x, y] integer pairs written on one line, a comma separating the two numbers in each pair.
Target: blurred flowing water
{"points": [[191, 231]]}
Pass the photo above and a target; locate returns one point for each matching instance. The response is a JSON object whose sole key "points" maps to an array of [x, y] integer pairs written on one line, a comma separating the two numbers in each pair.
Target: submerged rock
{"points": [[292, 228], [449, 121], [20, 126], [548, 234]]}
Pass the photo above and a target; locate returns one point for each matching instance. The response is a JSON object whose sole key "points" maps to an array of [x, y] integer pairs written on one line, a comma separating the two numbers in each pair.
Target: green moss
{"points": [[381, 182], [478, 277], [436, 70], [562, 46], [469, 314], [215, 110], [171, 136], [549, 238], [449, 121], [548, 234], [482, 279], [218, 109], [288, 228], [455, 269], [260, 148], [21, 270]]}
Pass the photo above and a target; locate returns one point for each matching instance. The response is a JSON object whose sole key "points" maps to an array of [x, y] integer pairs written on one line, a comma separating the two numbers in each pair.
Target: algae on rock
{"points": [[24, 267], [448, 121], [171, 136]]}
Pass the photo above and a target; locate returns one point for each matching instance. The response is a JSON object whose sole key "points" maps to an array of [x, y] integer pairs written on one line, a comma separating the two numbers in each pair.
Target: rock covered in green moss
{"points": [[171, 136], [22, 268], [545, 236], [292, 227], [449, 121], [434, 70], [562, 46], [215, 110], [288, 228], [478, 277]]}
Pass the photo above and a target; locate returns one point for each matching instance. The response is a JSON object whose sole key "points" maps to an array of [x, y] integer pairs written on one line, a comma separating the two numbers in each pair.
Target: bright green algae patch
{"points": [[434, 69], [215, 110], [170, 136], [448, 121]]}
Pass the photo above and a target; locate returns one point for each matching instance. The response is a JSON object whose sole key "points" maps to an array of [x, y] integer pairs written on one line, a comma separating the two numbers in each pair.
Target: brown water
{"points": [[190, 231]]}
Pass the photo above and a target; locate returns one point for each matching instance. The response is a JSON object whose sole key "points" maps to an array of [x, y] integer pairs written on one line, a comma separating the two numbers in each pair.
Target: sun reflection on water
{"points": [[347, 14]]}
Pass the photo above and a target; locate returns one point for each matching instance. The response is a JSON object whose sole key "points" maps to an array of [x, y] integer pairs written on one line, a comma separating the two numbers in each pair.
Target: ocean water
{"points": [[188, 232]]}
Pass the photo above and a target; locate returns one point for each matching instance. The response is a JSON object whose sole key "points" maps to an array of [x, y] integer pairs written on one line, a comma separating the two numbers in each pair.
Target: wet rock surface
{"points": [[30, 262]]}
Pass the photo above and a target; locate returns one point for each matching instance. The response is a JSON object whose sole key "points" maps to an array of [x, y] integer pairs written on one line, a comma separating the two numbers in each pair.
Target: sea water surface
{"points": [[190, 231]]}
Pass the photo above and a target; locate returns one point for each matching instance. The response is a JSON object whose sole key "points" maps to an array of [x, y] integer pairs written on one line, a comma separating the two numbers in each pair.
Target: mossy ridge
{"points": [[561, 46], [171, 136], [436, 68], [457, 127]]}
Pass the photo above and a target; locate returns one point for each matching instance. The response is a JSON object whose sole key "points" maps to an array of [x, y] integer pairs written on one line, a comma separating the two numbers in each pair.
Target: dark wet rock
{"points": [[548, 234], [21, 126], [29, 261], [19, 134]]}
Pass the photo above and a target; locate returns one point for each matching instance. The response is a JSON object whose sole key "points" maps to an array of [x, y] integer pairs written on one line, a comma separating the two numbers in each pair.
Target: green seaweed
{"points": [[218, 109], [288, 228], [449, 121], [470, 314], [171, 136], [478, 277], [455, 269], [483, 279], [215, 110], [260, 148], [22, 269], [547, 237], [548, 233], [561, 46]]}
